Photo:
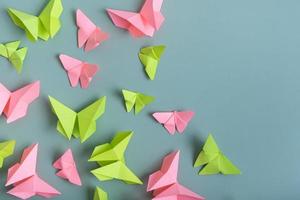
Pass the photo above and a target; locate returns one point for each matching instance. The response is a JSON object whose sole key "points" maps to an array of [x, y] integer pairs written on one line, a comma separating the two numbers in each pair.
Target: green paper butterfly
{"points": [[46, 25], [136, 100]]}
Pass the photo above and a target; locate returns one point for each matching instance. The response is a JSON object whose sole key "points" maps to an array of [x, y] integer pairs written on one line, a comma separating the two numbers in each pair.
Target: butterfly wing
{"points": [[227, 167], [87, 73], [151, 13], [29, 23], [4, 97], [96, 38], [20, 101], [141, 101], [116, 170], [85, 28], [130, 99], [182, 119], [66, 117], [88, 116], [167, 119], [17, 58], [150, 65], [73, 68], [50, 19], [6, 149], [209, 152]]}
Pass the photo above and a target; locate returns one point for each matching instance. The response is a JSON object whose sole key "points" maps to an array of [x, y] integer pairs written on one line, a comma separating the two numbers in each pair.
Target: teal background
{"points": [[235, 63]]}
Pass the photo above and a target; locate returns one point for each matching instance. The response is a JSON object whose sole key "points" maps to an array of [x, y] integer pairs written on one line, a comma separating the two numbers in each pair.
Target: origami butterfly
{"points": [[6, 150], [175, 120], [150, 57], [67, 168], [138, 100], [78, 70], [23, 176], [89, 35], [110, 157], [164, 184], [80, 125], [213, 160], [100, 194], [46, 25], [144, 23], [15, 104], [13, 54]]}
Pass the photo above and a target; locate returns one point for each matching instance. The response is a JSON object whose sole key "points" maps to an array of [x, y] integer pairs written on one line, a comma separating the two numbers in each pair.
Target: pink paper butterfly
{"points": [[78, 70], [174, 120], [144, 23], [88, 33], [15, 104]]}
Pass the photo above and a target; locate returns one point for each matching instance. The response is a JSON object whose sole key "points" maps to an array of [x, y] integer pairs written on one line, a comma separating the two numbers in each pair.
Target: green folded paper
{"points": [[110, 157], [6, 149], [136, 100], [150, 57], [100, 194], [45, 26], [213, 160], [80, 125], [13, 54]]}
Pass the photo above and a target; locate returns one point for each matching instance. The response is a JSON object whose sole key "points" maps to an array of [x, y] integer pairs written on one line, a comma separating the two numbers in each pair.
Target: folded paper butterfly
{"points": [[150, 57], [136, 100], [89, 35], [172, 121], [6, 150], [110, 157], [164, 184], [24, 179], [80, 125], [213, 160], [13, 54], [45, 26], [67, 168], [15, 104], [78, 70], [144, 23], [100, 194]]}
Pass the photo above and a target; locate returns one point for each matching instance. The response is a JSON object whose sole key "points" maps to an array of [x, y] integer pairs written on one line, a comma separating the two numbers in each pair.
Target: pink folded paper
{"points": [[78, 70], [89, 35], [164, 184], [26, 183], [15, 104], [67, 167], [175, 120], [144, 23]]}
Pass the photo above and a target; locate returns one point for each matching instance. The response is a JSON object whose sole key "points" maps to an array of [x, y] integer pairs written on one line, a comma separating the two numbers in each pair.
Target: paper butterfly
{"points": [[15, 104], [67, 168], [138, 100], [25, 180], [175, 120], [46, 25], [110, 157], [80, 125], [150, 57], [164, 184], [13, 54], [78, 70], [144, 23], [89, 35], [213, 160]]}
